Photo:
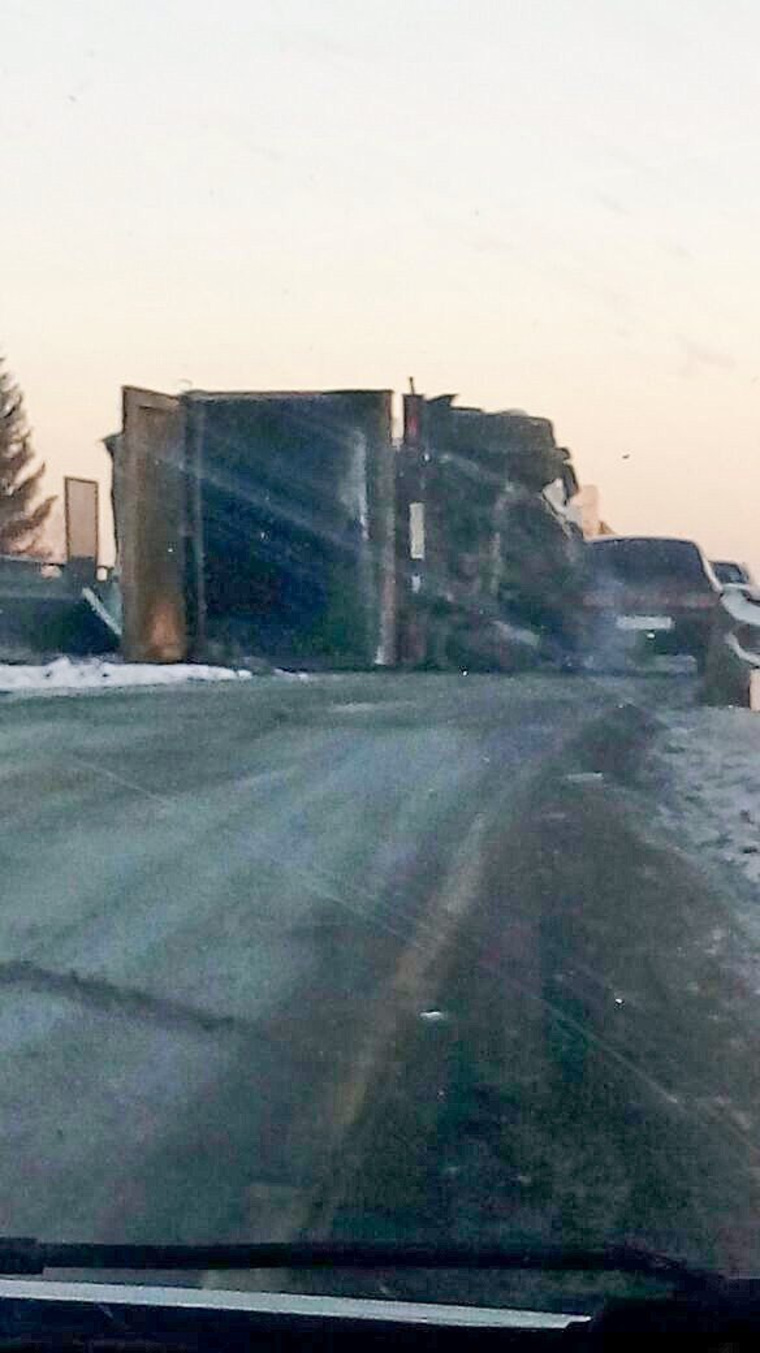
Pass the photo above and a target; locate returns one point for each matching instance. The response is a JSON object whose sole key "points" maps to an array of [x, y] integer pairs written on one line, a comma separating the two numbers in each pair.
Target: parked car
{"points": [[647, 593], [731, 574]]}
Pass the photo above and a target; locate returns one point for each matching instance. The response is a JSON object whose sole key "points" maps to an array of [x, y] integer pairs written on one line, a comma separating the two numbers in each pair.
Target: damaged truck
{"points": [[491, 551], [290, 529], [256, 526]]}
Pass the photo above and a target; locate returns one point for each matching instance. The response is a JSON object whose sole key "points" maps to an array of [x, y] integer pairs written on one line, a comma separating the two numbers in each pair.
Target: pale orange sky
{"points": [[550, 205]]}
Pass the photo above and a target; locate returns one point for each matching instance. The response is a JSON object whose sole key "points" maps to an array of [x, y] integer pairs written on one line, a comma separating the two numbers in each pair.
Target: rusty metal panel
{"points": [[152, 526], [195, 573]]}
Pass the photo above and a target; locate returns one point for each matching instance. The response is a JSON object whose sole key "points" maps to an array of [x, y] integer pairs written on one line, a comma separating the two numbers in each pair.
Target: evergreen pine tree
{"points": [[22, 512]]}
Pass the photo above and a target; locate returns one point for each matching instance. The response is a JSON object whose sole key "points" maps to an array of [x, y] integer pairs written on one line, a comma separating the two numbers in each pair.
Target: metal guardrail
{"points": [[18, 571], [15, 564], [21, 563], [48, 607]]}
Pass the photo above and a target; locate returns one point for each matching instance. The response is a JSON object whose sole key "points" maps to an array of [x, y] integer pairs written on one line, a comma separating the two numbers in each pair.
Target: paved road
{"points": [[366, 955], [595, 1078], [204, 893]]}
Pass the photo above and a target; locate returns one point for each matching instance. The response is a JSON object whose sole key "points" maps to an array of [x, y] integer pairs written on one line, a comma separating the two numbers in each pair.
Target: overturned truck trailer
{"points": [[489, 552], [256, 524]]}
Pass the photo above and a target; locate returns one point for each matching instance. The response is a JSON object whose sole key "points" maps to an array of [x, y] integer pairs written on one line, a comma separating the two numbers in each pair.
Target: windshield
{"points": [[730, 573], [379, 778], [643, 561]]}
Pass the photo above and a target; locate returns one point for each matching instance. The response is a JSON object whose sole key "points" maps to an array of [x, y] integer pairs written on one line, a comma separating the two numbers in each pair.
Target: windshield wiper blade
{"points": [[26, 1256]]}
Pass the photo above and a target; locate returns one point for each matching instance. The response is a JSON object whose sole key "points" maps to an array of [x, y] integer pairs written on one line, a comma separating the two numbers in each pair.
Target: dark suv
{"points": [[647, 592]]}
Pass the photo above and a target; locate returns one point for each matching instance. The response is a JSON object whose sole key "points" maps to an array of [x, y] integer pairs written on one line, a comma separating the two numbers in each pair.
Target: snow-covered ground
{"points": [[709, 762], [67, 674]]}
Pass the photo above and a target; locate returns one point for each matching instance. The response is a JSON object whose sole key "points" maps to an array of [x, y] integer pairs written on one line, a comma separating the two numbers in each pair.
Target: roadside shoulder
{"points": [[700, 781]]}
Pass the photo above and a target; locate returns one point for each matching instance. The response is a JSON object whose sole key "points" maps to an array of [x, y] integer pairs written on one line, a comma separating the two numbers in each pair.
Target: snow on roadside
{"points": [[710, 758], [66, 674]]}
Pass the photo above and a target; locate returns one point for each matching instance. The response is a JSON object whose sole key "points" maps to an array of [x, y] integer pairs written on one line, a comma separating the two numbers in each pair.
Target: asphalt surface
{"points": [[362, 955], [201, 890]]}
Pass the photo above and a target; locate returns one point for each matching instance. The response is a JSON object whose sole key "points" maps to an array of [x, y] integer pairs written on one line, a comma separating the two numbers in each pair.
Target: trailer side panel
{"points": [[150, 486]]}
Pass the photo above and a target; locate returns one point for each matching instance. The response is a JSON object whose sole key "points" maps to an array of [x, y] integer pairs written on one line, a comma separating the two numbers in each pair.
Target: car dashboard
{"points": [[130, 1319]]}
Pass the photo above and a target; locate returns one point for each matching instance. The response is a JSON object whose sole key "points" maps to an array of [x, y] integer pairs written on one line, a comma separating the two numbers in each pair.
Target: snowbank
{"points": [[710, 759], [65, 674]]}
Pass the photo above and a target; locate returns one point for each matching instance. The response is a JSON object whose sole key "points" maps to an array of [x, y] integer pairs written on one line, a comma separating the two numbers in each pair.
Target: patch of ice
{"points": [[67, 674]]}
